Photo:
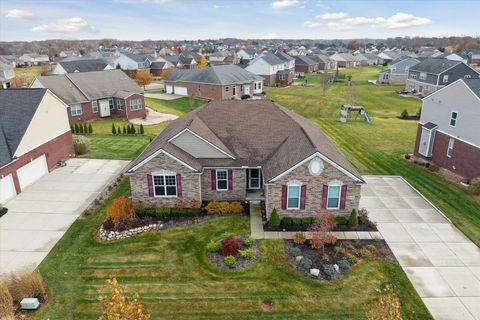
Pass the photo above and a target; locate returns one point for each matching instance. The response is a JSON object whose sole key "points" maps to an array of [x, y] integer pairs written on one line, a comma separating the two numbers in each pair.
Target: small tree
{"points": [[71, 128], [321, 227], [80, 128], [120, 209], [114, 130], [76, 129], [143, 77], [119, 131], [124, 130], [142, 130], [90, 128], [85, 128], [120, 306], [353, 218], [203, 63], [404, 114], [274, 218], [133, 130], [166, 72]]}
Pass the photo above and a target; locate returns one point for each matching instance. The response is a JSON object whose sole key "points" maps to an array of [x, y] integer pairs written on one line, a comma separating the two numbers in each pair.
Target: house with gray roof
{"points": [[447, 134], [277, 69], [397, 71], [34, 137], [345, 60], [213, 153], [303, 65], [215, 82], [132, 61], [247, 54], [324, 62], [434, 73], [96, 94], [7, 74], [81, 65]]}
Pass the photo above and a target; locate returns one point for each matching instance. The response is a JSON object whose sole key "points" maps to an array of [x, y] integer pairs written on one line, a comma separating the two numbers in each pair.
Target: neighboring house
{"points": [[7, 74], [345, 60], [324, 62], [182, 62], [242, 150], [397, 72], [304, 64], [473, 56], [34, 137], [372, 59], [447, 134], [456, 57], [33, 59], [96, 94], [216, 82], [434, 73], [389, 56], [274, 70], [67, 53], [361, 59], [11, 59], [131, 61], [158, 67], [247, 54], [82, 65]]}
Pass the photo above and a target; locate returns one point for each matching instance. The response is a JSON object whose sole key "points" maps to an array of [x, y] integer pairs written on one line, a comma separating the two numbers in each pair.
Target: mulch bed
{"points": [[382, 251], [217, 259]]}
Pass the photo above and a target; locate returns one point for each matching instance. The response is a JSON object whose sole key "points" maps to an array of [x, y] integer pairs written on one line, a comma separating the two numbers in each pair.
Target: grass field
{"points": [[176, 106], [175, 280], [27, 74], [378, 148]]}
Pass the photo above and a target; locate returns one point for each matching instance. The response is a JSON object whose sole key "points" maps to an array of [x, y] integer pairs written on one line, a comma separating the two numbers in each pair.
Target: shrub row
{"points": [[168, 212], [127, 129], [224, 207], [297, 221], [81, 128]]}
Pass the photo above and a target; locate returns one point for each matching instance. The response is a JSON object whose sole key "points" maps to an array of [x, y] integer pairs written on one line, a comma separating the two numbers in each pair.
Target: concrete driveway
{"points": [[440, 261], [39, 216]]}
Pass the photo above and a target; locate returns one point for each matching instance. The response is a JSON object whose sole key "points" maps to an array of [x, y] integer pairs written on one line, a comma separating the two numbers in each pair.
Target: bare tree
{"points": [[325, 82]]}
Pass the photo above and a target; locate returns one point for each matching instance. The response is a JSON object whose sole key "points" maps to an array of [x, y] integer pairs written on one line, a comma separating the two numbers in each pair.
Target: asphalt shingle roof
{"points": [[283, 140], [83, 65], [17, 108], [271, 59], [304, 60], [435, 65], [215, 74]]}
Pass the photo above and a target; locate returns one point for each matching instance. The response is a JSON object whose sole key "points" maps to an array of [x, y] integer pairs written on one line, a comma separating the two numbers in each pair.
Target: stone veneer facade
{"points": [[239, 185], [273, 192]]}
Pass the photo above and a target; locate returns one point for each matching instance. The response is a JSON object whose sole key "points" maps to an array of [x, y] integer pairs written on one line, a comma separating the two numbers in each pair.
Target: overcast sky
{"points": [[212, 19]]}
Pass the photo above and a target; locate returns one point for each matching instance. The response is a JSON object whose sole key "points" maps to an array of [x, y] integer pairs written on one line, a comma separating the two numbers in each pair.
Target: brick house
{"points": [[276, 69], [434, 73], [447, 133], [304, 64], [215, 153], [397, 71], [96, 94], [34, 136], [215, 82]]}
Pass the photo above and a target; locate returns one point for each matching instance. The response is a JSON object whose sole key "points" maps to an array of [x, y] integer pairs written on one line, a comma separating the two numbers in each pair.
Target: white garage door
{"points": [[32, 171], [7, 189], [169, 89], [181, 91]]}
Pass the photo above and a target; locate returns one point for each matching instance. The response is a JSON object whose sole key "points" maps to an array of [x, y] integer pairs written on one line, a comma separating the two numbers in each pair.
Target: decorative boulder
{"points": [[298, 258], [335, 266], [314, 272]]}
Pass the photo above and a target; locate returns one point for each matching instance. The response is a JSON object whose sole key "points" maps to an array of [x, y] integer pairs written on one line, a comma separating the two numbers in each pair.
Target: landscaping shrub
{"points": [[246, 254], [26, 285], [194, 203], [337, 249], [120, 209], [305, 263], [363, 216], [343, 264], [404, 114], [341, 220], [365, 253], [163, 212], [108, 224], [351, 258], [179, 203], [217, 207], [328, 269], [307, 221], [142, 130], [90, 129], [350, 246], [249, 241], [81, 145], [85, 128], [353, 218], [236, 207], [274, 219], [325, 258], [225, 234], [213, 246], [297, 221], [299, 238], [287, 221], [331, 239], [120, 306], [7, 309], [75, 129], [114, 130], [229, 261], [385, 306], [230, 247], [294, 251], [316, 243], [371, 247]]}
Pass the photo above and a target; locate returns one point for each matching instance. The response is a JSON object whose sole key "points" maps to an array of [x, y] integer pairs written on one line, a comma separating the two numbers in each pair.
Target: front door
{"points": [[246, 89], [104, 108], [254, 180]]}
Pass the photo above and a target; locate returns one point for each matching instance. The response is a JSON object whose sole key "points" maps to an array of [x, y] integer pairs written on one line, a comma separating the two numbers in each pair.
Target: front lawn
{"points": [[177, 107], [171, 272], [378, 148]]}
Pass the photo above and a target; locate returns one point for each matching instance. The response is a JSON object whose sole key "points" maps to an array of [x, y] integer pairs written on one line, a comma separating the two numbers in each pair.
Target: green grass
{"points": [[378, 148], [177, 107], [155, 91], [27, 74], [175, 280]]}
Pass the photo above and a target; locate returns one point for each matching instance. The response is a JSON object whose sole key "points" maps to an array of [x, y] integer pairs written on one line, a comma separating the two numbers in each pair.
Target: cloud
{"points": [[397, 21], [283, 4], [217, 6], [20, 14], [311, 24], [71, 25], [332, 16], [271, 35]]}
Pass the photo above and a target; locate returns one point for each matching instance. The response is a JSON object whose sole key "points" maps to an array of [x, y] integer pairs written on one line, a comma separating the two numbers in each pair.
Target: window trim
{"points": [[226, 179], [76, 114], [455, 119], [120, 104], [164, 175], [299, 195], [451, 145], [339, 195], [111, 104], [96, 104], [139, 104]]}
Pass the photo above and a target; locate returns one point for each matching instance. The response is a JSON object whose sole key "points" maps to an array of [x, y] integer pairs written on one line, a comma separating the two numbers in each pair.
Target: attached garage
{"points": [[7, 189], [182, 91], [169, 89], [31, 172]]}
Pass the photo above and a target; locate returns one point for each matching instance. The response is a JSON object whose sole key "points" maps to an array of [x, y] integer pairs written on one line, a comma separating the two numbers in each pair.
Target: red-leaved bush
{"points": [[230, 247]]}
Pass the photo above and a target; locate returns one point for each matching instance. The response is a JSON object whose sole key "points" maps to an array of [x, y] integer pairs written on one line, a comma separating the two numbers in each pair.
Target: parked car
{"points": [[245, 97]]}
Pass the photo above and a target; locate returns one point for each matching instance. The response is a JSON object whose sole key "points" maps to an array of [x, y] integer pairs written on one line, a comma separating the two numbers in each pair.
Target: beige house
{"points": [[246, 150]]}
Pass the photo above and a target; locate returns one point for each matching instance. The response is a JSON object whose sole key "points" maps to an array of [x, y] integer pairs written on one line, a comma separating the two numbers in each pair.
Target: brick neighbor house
{"points": [[216, 153], [96, 94], [448, 133], [397, 71], [303, 65], [216, 82], [34, 136], [276, 69]]}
